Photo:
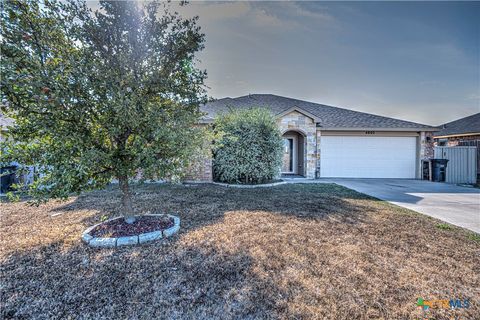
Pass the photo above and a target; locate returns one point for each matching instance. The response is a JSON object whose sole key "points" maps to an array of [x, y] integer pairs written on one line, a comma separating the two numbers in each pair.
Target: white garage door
{"points": [[368, 157]]}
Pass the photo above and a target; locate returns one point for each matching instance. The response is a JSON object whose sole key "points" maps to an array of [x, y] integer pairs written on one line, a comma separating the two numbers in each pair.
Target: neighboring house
{"points": [[461, 133], [325, 141]]}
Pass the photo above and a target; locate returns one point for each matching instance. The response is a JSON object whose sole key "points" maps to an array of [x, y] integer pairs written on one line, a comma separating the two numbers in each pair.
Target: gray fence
{"points": [[462, 164], [473, 143]]}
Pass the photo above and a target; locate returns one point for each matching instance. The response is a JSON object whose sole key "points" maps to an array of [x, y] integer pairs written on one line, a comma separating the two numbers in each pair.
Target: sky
{"points": [[417, 61]]}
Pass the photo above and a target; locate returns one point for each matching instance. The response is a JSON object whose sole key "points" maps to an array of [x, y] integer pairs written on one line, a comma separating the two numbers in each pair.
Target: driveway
{"points": [[454, 204]]}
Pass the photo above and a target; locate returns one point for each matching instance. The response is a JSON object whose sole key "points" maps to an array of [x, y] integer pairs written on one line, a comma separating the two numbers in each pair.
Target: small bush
{"points": [[248, 149], [474, 236], [444, 226]]}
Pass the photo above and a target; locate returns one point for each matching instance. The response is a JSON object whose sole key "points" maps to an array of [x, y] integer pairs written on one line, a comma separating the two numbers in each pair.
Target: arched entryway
{"points": [[293, 159]]}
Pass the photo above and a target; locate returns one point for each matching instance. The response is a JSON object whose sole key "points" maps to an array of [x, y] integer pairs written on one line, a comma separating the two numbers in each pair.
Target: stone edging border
{"points": [[249, 186], [130, 240]]}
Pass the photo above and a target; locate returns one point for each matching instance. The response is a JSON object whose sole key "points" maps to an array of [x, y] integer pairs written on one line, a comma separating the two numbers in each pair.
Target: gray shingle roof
{"points": [[330, 117], [470, 124]]}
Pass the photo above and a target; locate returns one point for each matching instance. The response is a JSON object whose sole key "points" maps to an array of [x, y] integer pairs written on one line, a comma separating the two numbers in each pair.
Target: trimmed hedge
{"points": [[248, 149]]}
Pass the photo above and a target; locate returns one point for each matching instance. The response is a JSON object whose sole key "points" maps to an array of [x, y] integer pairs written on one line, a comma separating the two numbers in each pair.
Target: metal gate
{"points": [[462, 164]]}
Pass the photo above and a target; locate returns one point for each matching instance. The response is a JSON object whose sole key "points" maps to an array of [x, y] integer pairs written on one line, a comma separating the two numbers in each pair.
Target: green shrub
{"points": [[474, 236], [248, 148], [444, 226]]}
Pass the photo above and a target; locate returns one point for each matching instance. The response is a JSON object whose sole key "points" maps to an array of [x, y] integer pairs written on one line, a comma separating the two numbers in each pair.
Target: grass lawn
{"points": [[293, 251]]}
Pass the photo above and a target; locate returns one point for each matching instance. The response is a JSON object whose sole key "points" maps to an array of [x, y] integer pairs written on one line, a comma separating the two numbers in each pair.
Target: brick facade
{"points": [[200, 169], [465, 141]]}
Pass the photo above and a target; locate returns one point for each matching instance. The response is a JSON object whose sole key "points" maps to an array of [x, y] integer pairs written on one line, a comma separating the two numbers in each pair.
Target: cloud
{"points": [[272, 16], [399, 59], [299, 11], [216, 11], [261, 18], [291, 15], [473, 96]]}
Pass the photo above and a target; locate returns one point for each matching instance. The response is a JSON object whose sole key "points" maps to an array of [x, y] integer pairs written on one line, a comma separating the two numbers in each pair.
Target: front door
{"points": [[289, 160]]}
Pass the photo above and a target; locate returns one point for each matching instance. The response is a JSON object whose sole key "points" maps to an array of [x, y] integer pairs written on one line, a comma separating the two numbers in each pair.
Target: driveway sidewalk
{"points": [[454, 204]]}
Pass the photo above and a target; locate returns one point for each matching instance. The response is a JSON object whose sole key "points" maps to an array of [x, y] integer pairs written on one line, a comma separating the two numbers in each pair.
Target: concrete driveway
{"points": [[456, 205]]}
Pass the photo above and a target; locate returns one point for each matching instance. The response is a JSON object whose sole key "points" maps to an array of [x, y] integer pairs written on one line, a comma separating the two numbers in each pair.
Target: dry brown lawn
{"points": [[293, 251]]}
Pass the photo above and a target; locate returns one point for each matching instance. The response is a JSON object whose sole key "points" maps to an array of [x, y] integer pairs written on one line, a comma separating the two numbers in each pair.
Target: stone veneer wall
{"points": [[296, 121], [426, 145], [319, 143]]}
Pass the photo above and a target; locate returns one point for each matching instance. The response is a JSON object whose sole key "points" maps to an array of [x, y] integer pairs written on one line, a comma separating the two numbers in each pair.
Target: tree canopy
{"points": [[99, 95]]}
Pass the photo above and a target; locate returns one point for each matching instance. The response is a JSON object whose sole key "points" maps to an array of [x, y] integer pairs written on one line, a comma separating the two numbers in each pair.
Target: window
{"points": [[442, 142]]}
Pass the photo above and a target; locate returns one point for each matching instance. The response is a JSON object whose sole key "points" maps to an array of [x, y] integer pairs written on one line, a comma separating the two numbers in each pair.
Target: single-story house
{"points": [[461, 133], [324, 141]]}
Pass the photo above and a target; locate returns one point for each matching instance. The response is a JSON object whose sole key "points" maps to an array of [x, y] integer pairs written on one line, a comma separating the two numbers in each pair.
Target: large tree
{"points": [[99, 95]]}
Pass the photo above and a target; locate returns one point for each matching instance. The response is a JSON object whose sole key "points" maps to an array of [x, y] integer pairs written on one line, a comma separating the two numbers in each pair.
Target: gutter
{"points": [[376, 129]]}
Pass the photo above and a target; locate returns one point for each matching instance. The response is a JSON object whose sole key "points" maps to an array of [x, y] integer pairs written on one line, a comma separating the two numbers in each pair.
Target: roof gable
{"points": [[299, 110]]}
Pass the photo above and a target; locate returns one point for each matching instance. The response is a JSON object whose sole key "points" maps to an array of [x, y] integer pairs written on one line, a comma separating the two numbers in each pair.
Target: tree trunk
{"points": [[126, 200]]}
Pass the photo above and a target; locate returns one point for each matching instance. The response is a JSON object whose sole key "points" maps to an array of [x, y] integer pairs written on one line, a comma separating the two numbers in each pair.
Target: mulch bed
{"points": [[143, 224]]}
